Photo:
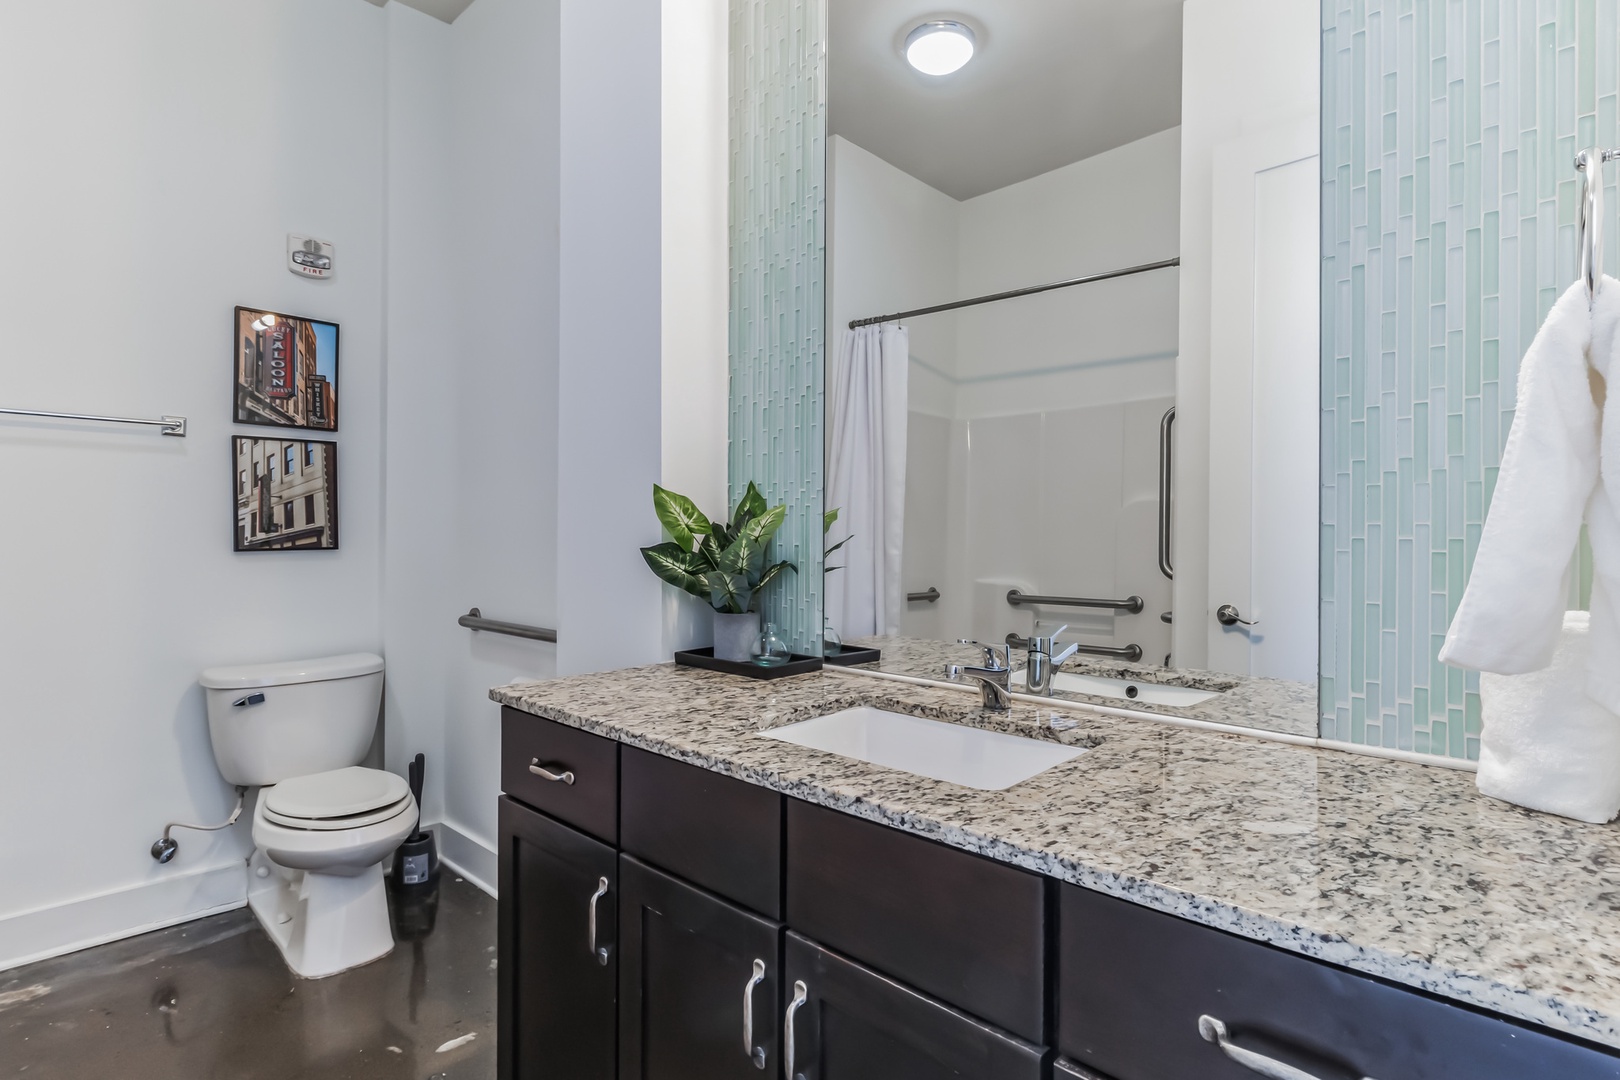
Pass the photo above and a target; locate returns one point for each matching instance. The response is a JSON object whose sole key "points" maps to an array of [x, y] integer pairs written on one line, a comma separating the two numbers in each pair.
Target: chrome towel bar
{"points": [[474, 620], [170, 425], [1132, 604]]}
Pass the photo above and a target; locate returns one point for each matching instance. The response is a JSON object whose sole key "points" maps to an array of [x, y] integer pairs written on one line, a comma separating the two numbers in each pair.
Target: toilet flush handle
{"points": [[251, 699]]}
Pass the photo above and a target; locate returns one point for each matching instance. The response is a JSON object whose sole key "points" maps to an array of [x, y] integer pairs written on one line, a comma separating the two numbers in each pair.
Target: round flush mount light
{"points": [[939, 47]]}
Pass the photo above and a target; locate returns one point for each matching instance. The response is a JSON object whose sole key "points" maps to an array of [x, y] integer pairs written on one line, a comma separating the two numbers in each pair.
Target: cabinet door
{"points": [[558, 976], [701, 978], [851, 1023]]}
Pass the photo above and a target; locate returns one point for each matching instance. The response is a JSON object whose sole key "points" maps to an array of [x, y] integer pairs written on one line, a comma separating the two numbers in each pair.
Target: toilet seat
{"points": [[342, 799]]}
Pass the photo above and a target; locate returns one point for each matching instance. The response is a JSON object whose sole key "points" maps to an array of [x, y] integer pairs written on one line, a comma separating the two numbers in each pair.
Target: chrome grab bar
{"points": [[1131, 653], [474, 620], [1166, 475], [1131, 604], [923, 597], [171, 425], [1212, 1030]]}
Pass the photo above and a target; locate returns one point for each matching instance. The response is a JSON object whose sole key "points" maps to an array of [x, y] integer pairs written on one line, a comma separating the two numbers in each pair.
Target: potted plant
{"points": [[722, 563]]}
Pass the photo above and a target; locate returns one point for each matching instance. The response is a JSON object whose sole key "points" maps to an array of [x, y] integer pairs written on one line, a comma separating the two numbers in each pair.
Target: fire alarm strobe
{"points": [[309, 257]]}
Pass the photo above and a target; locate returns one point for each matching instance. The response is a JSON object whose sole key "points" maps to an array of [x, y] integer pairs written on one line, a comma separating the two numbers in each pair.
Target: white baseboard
{"points": [[467, 855], [120, 913]]}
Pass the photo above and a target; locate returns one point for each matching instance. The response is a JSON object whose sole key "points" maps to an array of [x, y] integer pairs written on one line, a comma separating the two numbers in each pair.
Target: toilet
{"points": [[323, 826]]}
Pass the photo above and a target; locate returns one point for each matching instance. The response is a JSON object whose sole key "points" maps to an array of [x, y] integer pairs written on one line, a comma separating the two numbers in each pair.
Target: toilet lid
{"points": [[340, 793]]}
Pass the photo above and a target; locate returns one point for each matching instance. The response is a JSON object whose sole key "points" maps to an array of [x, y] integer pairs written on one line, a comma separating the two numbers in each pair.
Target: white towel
{"points": [[1546, 745], [1511, 615]]}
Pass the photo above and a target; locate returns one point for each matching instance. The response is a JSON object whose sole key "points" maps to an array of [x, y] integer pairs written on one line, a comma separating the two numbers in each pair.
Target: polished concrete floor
{"points": [[212, 1000]]}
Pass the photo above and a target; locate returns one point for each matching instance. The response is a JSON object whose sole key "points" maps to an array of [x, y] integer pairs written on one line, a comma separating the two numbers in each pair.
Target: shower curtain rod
{"points": [[993, 297]]}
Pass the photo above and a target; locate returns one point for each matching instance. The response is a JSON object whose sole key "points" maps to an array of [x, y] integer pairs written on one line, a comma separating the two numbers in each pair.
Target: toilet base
{"points": [[322, 923]]}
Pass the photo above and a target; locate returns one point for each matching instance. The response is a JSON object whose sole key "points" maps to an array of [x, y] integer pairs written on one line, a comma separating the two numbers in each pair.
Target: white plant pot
{"points": [[734, 636]]}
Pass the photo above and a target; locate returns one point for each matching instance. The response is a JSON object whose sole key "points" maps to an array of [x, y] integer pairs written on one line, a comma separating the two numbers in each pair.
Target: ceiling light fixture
{"points": [[939, 47]]}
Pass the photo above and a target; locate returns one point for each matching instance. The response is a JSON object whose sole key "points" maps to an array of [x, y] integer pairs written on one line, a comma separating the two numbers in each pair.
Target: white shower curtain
{"points": [[866, 479]]}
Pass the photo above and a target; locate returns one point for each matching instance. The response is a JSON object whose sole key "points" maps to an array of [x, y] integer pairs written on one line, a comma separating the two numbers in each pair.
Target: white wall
{"points": [[696, 261], [150, 183], [1075, 379], [610, 606], [1246, 64]]}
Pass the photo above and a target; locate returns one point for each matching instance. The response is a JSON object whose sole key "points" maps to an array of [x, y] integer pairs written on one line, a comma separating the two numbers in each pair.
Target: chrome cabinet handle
{"points": [[601, 891], [755, 1054], [564, 777], [1213, 1031], [800, 993], [1228, 615]]}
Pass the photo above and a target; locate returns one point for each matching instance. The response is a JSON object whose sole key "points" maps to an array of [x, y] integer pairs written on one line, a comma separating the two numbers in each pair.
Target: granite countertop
{"points": [[1397, 870], [1248, 701]]}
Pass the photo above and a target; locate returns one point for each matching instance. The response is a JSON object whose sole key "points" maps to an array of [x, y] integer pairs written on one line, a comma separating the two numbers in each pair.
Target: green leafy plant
{"points": [[827, 521], [721, 562]]}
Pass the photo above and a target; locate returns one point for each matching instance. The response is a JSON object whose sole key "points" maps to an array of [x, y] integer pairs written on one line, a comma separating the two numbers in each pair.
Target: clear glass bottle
{"points": [[769, 649], [832, 643]]}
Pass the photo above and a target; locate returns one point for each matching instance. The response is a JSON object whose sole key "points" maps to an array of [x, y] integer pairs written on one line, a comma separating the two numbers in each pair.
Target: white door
{"points": [[1264, 412]]}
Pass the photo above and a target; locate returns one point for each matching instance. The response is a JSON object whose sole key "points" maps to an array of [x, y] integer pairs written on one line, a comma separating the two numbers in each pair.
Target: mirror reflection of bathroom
{"points": [[1072, 363]]}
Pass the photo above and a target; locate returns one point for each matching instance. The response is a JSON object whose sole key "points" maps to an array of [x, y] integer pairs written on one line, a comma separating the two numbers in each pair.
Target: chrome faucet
{"points": [[1042, 663], [992, 677]]}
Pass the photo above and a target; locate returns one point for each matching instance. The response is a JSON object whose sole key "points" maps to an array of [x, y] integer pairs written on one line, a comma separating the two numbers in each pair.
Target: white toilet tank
{"points": [[271, 722]]}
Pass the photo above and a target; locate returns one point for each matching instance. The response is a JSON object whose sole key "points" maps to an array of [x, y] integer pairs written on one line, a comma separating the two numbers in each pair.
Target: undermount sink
{"points": [[972, 757], [1142, 693]]}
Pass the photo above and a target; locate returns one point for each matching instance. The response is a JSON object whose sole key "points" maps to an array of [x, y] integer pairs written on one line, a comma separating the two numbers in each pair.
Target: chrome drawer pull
{"points": [[564, 777], [800, 993], [755, 1054], [1214, 1031], [601, 891]]}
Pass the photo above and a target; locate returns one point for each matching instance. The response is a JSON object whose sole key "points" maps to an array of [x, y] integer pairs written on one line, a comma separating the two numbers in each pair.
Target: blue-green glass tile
{"points": [[1454, 435], [1358, 720], [1454, 730], [1420, 740], [1438, 518], [1420, 437], [1438, 673], [1437, 737], [1490, 361], [1456, 567]]}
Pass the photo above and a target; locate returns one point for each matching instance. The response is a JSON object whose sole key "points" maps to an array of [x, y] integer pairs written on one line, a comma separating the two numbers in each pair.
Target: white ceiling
{"points": [[446, 10], [1053, 81]]}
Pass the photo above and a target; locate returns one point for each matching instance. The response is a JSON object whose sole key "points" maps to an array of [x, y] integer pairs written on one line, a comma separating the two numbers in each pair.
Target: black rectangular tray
{"points": [[849, 657], [704, 658]]}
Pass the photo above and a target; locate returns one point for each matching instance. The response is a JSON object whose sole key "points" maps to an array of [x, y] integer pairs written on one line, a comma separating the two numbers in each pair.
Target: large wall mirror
{"points": [[1071, 346]]}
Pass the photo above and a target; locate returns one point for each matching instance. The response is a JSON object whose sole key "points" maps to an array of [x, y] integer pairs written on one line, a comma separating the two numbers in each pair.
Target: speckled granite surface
{"points": [[1401, 871], [1244, 701]]}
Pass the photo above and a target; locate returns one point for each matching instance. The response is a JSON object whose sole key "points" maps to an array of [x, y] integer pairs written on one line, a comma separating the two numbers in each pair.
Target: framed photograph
{"points": [[286, 370], [285, 493]]}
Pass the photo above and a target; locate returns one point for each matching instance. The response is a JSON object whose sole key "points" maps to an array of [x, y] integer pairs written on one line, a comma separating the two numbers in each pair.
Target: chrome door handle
{"points": [[564, 777], [1228, 615], [1213, 1031], [800, 993], [755, 1053], [601, 891]]}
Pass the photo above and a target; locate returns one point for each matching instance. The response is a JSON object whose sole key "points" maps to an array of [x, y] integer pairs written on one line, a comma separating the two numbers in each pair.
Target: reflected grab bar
{"points": [[1166, 459], [1132, 604], [474, 620], [923, 597], [1131, 653]]}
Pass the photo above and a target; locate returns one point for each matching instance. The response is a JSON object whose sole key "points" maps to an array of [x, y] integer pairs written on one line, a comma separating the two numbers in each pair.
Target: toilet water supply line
{"points": [[163, 850]]}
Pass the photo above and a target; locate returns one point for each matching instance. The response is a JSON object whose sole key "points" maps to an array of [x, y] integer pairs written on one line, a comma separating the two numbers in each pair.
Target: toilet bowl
{"points": [[315, 880], [323, 826]]}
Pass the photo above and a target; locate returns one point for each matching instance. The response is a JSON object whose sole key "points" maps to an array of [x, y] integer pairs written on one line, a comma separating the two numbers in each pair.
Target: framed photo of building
{"points": [[285, 494], [286, 370]]}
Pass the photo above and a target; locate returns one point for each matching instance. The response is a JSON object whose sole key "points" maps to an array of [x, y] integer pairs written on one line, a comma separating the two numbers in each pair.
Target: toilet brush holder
{"points": [[416, 863]]}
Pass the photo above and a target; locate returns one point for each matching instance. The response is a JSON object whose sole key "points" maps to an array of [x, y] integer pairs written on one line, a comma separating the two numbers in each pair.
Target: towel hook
{"points": [[1590, 163]]}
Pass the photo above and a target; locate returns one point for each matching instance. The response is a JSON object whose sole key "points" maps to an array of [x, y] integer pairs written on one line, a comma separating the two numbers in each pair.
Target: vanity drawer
{"points": [[591, 801], [959, 927], [722, 834], [1132, 984]]}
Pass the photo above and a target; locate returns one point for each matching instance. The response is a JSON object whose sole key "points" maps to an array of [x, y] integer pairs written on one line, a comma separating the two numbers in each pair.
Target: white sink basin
{"points": [[988, 760], [1143, 693]]}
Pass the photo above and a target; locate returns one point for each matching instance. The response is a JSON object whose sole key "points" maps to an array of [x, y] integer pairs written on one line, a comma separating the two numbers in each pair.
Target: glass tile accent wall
{"points": [[778, 286], [1449, 203]]}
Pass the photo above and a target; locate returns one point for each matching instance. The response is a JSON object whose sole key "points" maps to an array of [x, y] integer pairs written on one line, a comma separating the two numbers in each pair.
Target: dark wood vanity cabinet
{"points": [[659, 921], [558, 971]]}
